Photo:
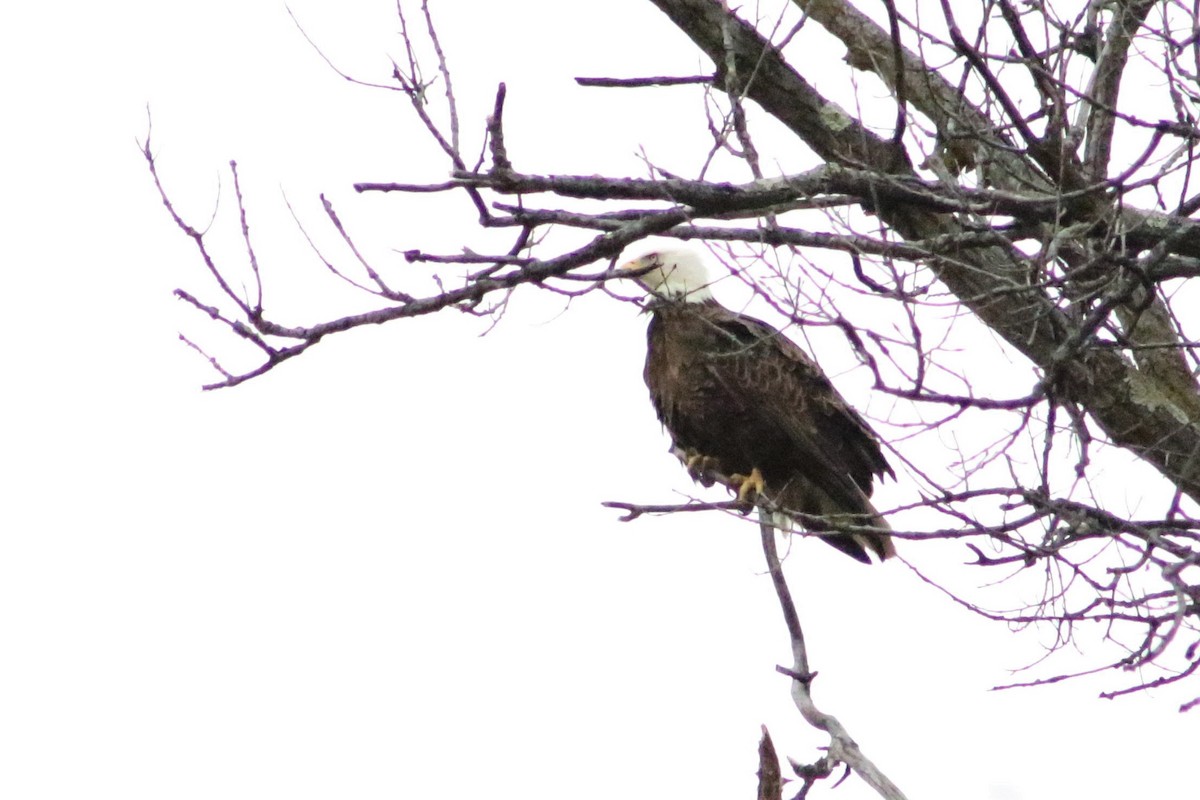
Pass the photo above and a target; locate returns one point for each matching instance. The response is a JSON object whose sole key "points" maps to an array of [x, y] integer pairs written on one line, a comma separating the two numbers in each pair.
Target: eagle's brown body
{"points": [[734, 390]]}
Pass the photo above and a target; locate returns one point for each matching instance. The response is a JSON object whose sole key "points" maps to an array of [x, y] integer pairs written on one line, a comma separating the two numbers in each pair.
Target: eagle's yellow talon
{"points": [[749, 486]]}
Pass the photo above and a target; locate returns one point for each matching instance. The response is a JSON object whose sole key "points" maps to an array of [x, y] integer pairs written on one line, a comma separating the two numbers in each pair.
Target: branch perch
{"points": [[842, 747]]}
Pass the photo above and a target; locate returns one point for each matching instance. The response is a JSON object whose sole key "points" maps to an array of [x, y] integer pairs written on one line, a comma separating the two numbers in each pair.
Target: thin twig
{"points": [[634, 83]]}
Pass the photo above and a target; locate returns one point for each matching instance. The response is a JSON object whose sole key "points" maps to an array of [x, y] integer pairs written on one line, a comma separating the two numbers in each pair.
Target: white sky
{"points": [[383, 570]]}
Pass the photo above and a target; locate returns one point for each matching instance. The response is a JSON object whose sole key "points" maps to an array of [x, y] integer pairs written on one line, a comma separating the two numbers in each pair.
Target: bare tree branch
{"points": [[842, 747]]}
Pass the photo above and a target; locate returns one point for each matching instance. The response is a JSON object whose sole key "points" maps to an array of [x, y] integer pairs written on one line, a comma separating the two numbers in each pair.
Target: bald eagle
{"points": [[742, 400]]}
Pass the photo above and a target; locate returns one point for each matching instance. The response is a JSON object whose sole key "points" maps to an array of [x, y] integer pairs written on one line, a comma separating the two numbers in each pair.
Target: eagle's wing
{"points": [[838, 450]]}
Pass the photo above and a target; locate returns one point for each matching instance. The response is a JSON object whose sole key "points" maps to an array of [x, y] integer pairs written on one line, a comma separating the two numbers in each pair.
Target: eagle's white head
{"points": [[671, 274]]}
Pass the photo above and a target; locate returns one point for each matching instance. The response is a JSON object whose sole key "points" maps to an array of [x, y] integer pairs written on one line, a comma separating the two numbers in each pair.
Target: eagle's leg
{"points": [[700, 466], [749, 486]]}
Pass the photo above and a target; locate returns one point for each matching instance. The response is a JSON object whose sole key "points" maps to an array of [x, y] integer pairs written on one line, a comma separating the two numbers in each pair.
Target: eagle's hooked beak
{"points": [[637, 267]]}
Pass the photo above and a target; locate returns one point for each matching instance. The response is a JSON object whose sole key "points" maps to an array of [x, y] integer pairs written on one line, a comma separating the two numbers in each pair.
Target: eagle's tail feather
{"points": [[780, 521], [879, 541], [858, 544]]}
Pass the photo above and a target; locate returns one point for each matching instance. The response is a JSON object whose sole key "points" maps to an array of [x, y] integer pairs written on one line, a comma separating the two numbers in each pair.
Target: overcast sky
{"points": [[383, 570]]}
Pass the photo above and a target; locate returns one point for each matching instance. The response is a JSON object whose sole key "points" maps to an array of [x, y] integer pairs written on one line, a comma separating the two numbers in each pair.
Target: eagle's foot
{"points": [[750, 487], [701, 467]]}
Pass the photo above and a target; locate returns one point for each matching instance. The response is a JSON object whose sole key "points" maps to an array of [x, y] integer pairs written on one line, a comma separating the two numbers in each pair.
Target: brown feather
{"points": [[734, 389]]}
